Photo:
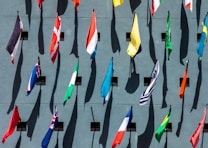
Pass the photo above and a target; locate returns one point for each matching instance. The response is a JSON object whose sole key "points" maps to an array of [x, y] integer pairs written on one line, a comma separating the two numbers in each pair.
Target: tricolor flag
{"points": [[106, 86], [203, 38], [15, 119], [36, 72], [71, 83], [14, 40], [168, 43], [188, 4], [194, 139], [162, 127], [155, 5], [92, 36], [40, 3], [135, 41], [76, 3], [53, 124], [121, 131], [183, 84], [55, 41], [148, 92], [117, 3]]}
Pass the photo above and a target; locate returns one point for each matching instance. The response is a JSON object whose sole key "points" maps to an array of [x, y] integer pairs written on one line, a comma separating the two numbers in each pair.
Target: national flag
{"points": [[162, 127], [15, 119], [92, 36], [188, 4], [40, 3], [117, 3], [76, 3], [55, 41], [121, 131], [183, 84], [106, 86], [155, 5], [53, 124], [148, 91], [203, 38], [194, 139], [71, 83], [168, 43], [36, 72], [14, 40], [135, 41]]}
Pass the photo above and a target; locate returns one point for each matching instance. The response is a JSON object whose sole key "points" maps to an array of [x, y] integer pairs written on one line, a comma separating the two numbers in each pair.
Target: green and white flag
{"points": [[168, 43]]}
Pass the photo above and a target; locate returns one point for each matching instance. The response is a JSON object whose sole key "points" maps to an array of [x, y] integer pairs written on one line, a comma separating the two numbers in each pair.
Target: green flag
{"points": [[71, 83], [161, 129], [168, 43]]}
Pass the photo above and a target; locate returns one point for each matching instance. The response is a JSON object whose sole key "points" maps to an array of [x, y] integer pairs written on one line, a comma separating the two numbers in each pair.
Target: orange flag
{"points": [[183, 84], [76, 3]]}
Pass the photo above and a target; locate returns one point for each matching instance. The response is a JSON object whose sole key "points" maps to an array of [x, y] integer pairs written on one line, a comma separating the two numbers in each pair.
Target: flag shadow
{"points": [[198, 11], [40, 33], [181, 121], [134, 4], [33, 116], [17, 81], [28, 6], [61, 6], [144, 140], [19, 141]]}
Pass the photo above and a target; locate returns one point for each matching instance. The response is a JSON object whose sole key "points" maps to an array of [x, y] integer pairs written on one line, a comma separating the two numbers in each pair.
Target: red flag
{"points": [[194, 139], [12, 125], [183, 84], [76, 3], [40, 3]]}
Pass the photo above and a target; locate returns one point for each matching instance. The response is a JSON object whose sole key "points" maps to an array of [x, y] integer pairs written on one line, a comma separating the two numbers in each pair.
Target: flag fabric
{"points": [[135, 41], [55, 41], [148, 91], [92, 36], [36, 72], [188, 4], [40, 3], [203, 38], [168, 43], [159, 132], [53, 124], [106, 86], [183, 84], [71, 83], [121, 131], [14, 40], [76, 3], [155, 5], [117, 3], [194, 139], [15, 119]]}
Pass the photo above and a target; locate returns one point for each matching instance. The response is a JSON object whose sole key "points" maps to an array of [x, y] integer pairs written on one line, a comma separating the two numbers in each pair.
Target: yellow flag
{"points": [[135, 41], [117, 2]]}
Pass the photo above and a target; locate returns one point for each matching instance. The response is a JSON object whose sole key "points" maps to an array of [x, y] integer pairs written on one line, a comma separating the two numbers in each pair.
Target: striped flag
{"points": [[55, 41], [155, 5], [92, 36], [40, 3], [76, 3], [117, 3], [168, 43], [106, 86], [14, 40], [71, 83], [188, 4], [148, 92], [135, 41], [53, 124], [183, 84], [121, 131], [36, 72]]}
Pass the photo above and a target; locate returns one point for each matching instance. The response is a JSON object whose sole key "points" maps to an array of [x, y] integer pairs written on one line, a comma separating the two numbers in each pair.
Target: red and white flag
{"points": [[188, 4], [155, 6]]}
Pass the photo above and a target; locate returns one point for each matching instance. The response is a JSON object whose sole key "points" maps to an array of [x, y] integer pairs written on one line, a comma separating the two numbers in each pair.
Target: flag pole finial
{"points": [[17, 12]]}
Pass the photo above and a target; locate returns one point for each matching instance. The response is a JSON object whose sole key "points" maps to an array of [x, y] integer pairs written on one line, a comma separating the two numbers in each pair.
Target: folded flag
{"points": [[15, 119], [155, 6], [40, 3], [14, 40], [53, 124], [55, 41], [117, 3], [92, 36], [71, 83], [121, 131], [188, 4], [76, 3], [148, 91], [168, 43], [183, 84], [106, 86], [135, 41]]}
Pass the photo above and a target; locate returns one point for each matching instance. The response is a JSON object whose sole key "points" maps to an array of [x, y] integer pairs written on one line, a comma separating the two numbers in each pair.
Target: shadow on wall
{"points": [[61, 7], [165, 86], [40, 34], [198, 11], [181, 121], [28, 6], [134, 4], [19, 141]]}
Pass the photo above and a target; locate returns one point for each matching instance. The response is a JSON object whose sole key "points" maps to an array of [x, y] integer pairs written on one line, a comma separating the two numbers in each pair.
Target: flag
{"points": [[53, 124], [106, 86], [92, 36], [183, 84], [34, 77], [168, 43], [162, 127], [148, 91], [76, 3], [15, 119], [188, 4], [13, 43], [203, 38], [135, 41], [40, 3], [194, 139], [71, 83], [121, 131], [55, 41], [155, 5], [117, 3]]}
